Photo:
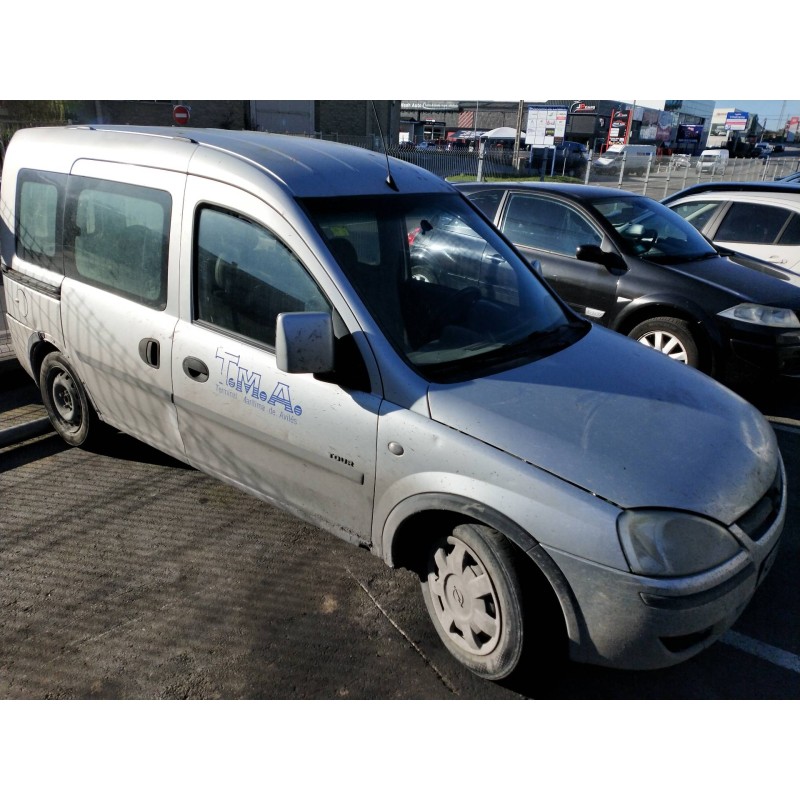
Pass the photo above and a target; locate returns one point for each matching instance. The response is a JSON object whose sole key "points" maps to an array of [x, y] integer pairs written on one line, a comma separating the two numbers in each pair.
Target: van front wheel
{"points": [[66, 402], [473, 595]]}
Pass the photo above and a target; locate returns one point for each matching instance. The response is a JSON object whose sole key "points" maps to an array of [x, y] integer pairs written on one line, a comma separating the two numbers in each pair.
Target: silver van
{"points": [[244, 302], [714, 160], [633, 159]]}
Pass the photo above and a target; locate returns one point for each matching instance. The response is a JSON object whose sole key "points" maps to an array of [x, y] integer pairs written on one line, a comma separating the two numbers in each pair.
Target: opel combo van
{"points": [[244, 302]]}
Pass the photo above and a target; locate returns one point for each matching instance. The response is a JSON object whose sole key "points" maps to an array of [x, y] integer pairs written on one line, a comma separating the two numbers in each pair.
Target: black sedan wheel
{"points": [[670, 336]]}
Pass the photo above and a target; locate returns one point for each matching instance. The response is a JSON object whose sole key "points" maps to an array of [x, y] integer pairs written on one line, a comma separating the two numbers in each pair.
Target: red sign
{"points": [[619, 128], [180, 114]]}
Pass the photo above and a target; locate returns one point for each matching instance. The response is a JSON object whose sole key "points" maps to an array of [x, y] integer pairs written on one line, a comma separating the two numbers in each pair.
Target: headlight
{"points": [[667, 543], [762, 315]]}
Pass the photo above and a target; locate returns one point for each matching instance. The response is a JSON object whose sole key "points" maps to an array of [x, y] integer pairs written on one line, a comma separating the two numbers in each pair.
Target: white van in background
{"points": [[634, 158], [714, 161]]}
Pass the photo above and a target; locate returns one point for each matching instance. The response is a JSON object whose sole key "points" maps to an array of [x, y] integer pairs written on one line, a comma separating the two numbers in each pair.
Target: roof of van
{"points": [[306, 167]]}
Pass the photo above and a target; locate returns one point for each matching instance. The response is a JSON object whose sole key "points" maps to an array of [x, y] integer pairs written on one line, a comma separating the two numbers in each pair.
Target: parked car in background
{"points": [[764, 149], [763, 224], [633, 158], [793, 177], [567, 158], [713, 160], [633, 265], [680, 161]]}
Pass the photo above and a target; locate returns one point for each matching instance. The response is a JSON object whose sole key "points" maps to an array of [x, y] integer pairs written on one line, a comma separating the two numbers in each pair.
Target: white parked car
{"points": [[763, 224], [764, 149]]}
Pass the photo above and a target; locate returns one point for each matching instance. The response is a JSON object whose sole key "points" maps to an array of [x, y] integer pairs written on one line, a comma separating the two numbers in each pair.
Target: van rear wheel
{"points": [[66, 402]]}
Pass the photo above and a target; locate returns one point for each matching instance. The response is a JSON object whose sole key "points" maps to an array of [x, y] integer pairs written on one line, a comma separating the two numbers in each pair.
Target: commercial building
{"points": [[682, 125], [352, 121]]}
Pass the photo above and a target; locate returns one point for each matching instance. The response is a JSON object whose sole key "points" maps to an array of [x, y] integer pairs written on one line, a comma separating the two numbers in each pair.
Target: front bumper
{"points": [[773, 351], [632, 622]]}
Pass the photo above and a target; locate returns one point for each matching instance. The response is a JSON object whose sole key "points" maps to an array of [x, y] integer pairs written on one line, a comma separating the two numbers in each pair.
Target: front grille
{"points": [[761, 517]]}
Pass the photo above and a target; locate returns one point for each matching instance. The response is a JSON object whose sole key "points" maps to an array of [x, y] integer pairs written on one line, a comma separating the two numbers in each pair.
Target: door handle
{"points": [[150, 352], [195, 369]]}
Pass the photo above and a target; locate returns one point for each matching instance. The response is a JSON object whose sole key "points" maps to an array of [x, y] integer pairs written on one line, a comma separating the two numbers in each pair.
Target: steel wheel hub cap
{"points": [[65, 400], [464, 598]]}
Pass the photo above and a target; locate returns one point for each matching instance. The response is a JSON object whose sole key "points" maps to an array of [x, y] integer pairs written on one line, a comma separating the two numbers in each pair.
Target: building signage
{"points": [[690, 132], [429, 105], [736, 120], [546, 126], [619, 127], [581, 108]]}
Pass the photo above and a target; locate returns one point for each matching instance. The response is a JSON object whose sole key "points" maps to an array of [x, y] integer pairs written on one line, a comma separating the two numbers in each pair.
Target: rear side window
{"points": [[791, 234], [752, 223], [487, 202], [40, 207], [117, 238], [244, 277]]}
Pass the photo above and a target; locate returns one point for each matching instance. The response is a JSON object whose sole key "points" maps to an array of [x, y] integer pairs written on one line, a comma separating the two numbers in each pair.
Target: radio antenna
{"points": [[389, 179]]}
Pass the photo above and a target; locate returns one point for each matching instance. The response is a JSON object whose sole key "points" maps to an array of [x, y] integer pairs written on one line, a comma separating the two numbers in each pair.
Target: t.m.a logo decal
{"points": [[239, 382]]}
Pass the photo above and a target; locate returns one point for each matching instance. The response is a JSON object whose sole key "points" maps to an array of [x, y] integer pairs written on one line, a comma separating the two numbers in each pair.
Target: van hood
{"points": [[623, 422]]}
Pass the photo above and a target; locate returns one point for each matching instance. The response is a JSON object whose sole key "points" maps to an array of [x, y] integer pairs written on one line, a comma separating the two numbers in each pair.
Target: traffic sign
{"points": [[180, 115]]}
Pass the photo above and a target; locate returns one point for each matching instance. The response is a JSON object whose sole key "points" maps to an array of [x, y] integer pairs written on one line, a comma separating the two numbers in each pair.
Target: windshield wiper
{"points": [[536, 344]]}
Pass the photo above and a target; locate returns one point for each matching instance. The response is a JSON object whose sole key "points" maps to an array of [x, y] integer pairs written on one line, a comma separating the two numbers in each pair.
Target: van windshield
{"points": [[447, 291]]}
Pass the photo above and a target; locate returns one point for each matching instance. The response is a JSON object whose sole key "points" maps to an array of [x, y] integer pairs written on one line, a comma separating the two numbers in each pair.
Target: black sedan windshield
{"points": [[449, 294], [649, 230]]}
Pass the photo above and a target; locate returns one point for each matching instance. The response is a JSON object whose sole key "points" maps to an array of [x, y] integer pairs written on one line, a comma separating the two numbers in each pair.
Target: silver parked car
{"points": [[245, 302]]}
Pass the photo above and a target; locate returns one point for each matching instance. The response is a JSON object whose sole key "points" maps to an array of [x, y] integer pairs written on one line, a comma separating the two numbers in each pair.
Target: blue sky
{"points": [[769, 110]]}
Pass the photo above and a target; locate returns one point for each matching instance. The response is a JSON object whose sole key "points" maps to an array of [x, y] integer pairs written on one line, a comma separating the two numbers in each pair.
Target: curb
{"points": [[27, 430]]}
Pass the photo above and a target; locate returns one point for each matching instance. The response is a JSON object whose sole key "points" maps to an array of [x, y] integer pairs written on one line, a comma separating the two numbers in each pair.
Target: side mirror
{"points": [[593, 253], [304, 342]]}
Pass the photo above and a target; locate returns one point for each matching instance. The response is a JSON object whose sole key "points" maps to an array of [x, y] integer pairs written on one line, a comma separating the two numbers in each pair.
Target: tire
{"points": [[66, 402], [473, 595], [671, 336]]}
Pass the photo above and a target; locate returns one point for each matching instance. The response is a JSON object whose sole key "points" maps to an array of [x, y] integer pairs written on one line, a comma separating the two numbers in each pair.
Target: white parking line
{"points": [[774, 655]]}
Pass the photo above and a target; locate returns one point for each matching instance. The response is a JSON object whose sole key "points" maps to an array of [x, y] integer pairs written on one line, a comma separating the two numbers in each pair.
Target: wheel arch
{"points": [[38, 351], [705, 334], [422, 517]]}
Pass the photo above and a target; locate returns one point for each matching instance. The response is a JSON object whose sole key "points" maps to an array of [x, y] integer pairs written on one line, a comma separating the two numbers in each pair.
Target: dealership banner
{"points": [[736, 120], [547, 126]]}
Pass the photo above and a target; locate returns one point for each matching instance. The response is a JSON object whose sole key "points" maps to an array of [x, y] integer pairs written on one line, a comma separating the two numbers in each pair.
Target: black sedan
{"points": [[630, 264]]}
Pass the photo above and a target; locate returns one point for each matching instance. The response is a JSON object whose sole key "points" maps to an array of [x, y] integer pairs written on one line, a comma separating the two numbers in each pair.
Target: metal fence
{"points": [[662, 176]]}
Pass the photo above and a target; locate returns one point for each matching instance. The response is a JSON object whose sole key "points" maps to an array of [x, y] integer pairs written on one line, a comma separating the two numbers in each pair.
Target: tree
{"points": [[35, 110]]}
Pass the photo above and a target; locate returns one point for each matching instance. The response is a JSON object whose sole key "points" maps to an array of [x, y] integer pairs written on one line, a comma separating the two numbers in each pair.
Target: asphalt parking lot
{"points": [[125, 574]]}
